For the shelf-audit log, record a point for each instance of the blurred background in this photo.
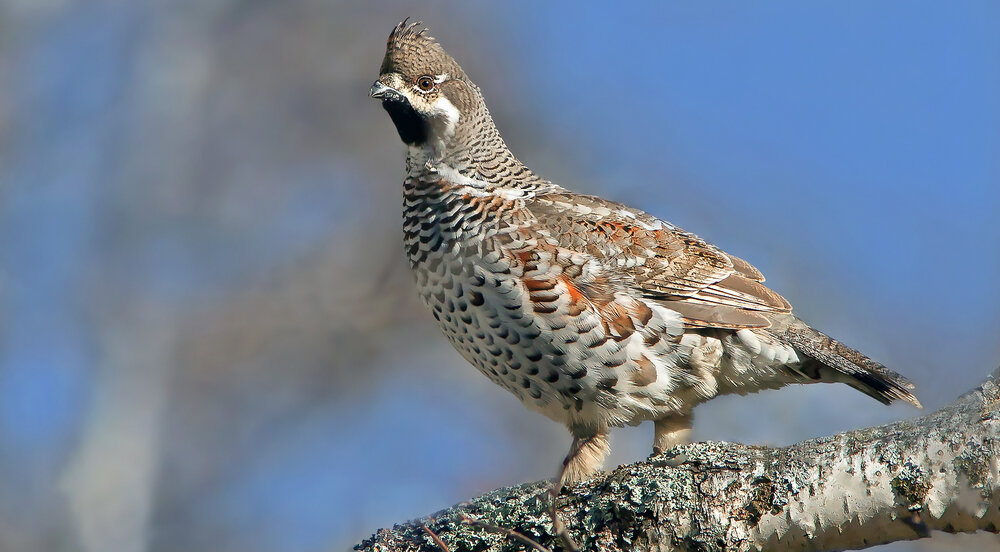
(209, 338)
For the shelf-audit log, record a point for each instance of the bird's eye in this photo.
(425, 83)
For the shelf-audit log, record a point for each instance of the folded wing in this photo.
(708, 287)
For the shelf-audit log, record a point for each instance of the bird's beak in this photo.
(380, 91)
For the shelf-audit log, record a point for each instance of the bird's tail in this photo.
(830, 360)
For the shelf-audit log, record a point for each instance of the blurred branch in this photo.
(110, 481)
(852, 490)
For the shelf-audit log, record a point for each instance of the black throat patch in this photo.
(412, 127)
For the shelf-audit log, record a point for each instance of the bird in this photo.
(591, 312)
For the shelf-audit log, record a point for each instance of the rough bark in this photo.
(848, 491)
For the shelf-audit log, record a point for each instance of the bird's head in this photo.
(426, 93)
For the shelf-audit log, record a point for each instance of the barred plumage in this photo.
(591, 312)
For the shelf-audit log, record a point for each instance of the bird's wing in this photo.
(683, 272)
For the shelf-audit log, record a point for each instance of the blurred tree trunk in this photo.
(853, 490)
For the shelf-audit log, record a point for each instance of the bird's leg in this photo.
(671, 431)
(585, 456)
(583, 459)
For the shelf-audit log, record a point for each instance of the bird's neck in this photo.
(476, 151)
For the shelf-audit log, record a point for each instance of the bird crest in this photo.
(410, 51)
(406, 31)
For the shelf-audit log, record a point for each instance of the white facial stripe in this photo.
(447, 110)
(442, 121)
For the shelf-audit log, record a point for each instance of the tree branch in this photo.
(852, 490)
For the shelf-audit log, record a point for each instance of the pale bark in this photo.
(852, 490)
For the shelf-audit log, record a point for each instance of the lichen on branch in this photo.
(851, 490)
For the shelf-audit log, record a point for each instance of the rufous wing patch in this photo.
(575, 294)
